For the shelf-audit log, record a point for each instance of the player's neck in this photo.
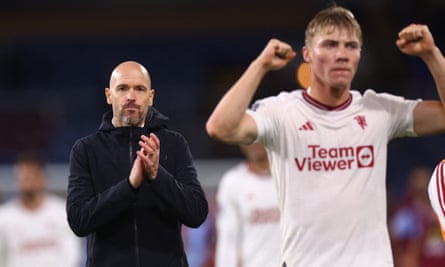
(329, 96)
(32, 201)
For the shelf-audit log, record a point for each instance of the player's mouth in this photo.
(341, 70)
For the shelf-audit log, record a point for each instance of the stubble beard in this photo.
(129, 120)
(134, 118)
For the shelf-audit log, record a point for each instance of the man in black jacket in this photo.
(132, 184)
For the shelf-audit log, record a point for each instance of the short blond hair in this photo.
(333, 17)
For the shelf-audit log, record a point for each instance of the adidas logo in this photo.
(307, 126)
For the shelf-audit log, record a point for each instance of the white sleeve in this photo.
(72, 249)
(3, 249)
(228, 225)
(71, 245)
(264, 112)
(436, 194)
(400, 111)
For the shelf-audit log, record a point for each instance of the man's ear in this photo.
(306, 54)
(107, 95)
(152, 96)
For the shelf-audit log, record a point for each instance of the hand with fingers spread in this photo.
(415, 40)
(149, 155)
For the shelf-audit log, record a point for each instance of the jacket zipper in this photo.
(135, 225)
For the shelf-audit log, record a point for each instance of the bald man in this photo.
(133, 184)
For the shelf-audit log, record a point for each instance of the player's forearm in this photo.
(225, 121)
(436, 64)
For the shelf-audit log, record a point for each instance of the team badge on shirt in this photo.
(361, 120)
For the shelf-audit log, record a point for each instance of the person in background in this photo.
(414, 229)
(248, 218)
(436, 194)
(199, 243)
(33, 227)
(327, 144)
(133, 184)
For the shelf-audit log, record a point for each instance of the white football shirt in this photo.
(329, 165)
(37, 238)
(436, 194)
(248, 230)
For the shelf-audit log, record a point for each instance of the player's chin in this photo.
(342, 80)
(341, 84)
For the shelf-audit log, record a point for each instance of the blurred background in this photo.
(56, 58)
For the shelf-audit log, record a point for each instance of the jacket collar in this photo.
(154, 120)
